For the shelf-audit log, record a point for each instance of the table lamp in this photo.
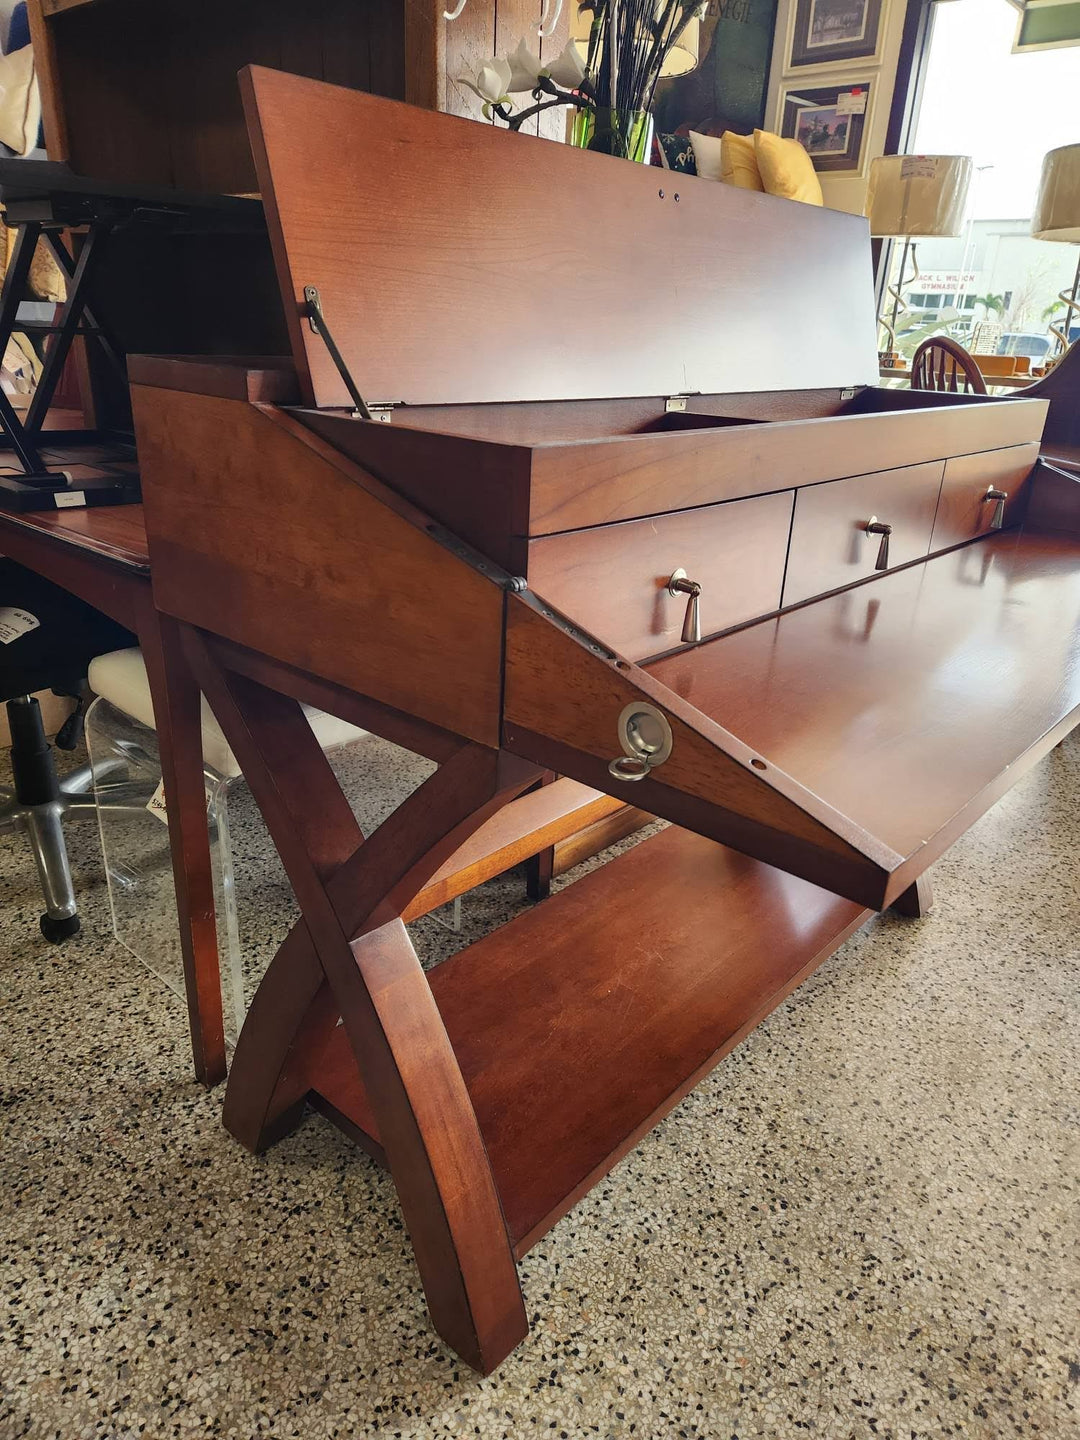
(681, 59)
(1057, 217)
(910, 197)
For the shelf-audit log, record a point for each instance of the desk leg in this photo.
(916, 900)
(179, 727)
(352, 892)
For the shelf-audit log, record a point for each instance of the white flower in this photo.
(524, 68)
(492, 81)
(568, 69)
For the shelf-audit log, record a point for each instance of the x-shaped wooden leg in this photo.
(351, 955)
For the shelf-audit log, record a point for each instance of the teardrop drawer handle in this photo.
(680, 585)
(874, 526)
(999, 497)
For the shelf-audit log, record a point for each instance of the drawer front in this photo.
(965, 510)
(830, 547)
(612, 580)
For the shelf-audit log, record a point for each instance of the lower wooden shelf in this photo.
(582, 1022)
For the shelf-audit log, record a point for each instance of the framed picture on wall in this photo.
(829, 122)
(825, 32)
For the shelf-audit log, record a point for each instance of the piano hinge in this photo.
(515, 584)
(848, 393)
(675, 402)
(317, 321)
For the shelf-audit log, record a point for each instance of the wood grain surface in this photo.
(629, 986)
(593, 483)
(400, 216)
(830, 546)
(613, 580)
(561, 710)
(963, 509)
(905, 702)
(289, 563)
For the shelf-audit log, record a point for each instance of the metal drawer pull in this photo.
(999, 497)
(874, 526)
(680, 585)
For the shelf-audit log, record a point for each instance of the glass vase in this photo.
(625, 133)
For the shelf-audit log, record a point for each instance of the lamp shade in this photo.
(680, 59)
(1057, 209)
(918, 194)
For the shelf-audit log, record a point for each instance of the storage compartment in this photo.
(831, 544)
(614, 580)
(495, 492)
(972, 494)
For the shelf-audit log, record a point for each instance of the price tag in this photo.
(156, 803)
(851, 102)
(14, 623)
(919, 167)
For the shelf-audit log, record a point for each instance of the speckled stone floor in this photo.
(865, 1223)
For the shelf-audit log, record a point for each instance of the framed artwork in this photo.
(829, 122)
(825, 32)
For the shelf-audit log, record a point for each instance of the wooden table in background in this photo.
(994, 382)
(100, 555)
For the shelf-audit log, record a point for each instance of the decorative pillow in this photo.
(738, 161)
(20, 103)
(786, 169)
(707, 154)
(675, 152)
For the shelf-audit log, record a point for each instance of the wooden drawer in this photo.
(964, 510)
(612, 579)
(829, 544)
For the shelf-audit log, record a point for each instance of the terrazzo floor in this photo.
(865, 1223)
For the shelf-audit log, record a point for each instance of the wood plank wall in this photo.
(493, 27)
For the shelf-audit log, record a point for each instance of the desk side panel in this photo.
(260, 533)
(563, 699)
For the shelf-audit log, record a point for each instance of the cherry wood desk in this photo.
(100, 555)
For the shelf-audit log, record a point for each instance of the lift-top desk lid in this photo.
(431, 239)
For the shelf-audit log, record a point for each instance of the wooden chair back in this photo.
(942, 364)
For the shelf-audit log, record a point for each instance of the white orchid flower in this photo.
(568, 68)
(524, 68)
(492, 81)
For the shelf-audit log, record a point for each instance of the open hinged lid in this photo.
(456, 262)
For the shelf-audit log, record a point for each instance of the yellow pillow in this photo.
(786, 169)
(738, 161)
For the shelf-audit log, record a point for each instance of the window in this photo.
(1006, 111)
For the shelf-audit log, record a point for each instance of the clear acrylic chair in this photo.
(126, 766)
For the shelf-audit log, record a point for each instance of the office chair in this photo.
(47, 640)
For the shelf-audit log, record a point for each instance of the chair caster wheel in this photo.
(57, 931)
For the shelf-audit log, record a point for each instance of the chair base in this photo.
(37, 807)
(42, 824)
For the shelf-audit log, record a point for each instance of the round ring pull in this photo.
(629, 767)
(645, 737)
